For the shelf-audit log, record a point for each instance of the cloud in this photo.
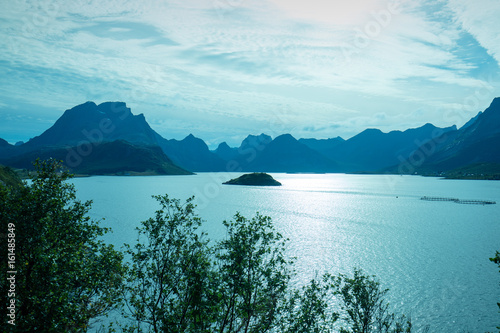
(352, 12)
(480, 19)
(208, 64)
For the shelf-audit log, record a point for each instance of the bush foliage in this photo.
(65, 276)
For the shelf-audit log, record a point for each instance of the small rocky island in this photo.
(254, 179)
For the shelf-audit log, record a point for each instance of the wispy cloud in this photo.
(480, 19)
(203, 66)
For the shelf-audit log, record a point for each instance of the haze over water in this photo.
(432, 255)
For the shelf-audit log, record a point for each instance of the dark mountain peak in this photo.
(262, 136)
(425, 128)
(225, 152)
(338, 139)
(192, 153)
(223, 145)
(82, 109)
(115, 110)
(492, 113)
(495, 104)
(285, 139)
(190, 138)
(112, 106)
(89, 122)
(428, 130)
(192, 142)
(86, 105)
(428, 125)
(286, 154)
(254, 141)
(367, 133)
(89, 110)
(371, 131)
(486, 123)
(323, 146)
(476, 142)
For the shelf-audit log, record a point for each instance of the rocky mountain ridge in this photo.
(84, 134)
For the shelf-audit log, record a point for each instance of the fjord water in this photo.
(433, 256)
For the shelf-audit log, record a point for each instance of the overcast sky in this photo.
(223, 69)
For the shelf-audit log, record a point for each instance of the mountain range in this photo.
(476, 143)
(109, 139)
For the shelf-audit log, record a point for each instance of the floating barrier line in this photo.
(466, 202)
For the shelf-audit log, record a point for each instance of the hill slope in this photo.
(479, 142)
(117, 157)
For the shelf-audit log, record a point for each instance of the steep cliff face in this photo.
(478, 142)
(93, 123)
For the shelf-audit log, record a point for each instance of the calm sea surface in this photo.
(433, 256)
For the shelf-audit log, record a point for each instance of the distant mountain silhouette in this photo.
(257, 142)
(283, 154)
(476, 143)
(250, 148)
(192, 154)
(93, 123)
(225, 152)
(373, 150)
(324, 146)
(111, 121)
(108, 138)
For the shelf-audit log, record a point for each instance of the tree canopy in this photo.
(64, 275)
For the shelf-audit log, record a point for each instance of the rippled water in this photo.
(432, 255)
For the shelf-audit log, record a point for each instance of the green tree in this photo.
(65, 276)
(254, 274)
(8, 177)
(309, 309)
(365, 306)
(177, 282)
(169, 278)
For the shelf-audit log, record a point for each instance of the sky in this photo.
(223, 69)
